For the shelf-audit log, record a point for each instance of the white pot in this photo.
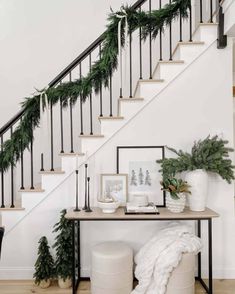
(198, 181)
(45, 284)
(176, 205)
(108, 207)
(64, 284)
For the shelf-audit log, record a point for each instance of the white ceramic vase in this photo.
(198, 181)
(176, 205)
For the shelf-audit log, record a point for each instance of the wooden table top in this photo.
(165, 214)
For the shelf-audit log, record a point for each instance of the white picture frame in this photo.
(114, 186)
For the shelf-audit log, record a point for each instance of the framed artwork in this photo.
(114, 186)
(139, 162)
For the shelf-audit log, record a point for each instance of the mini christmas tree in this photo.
(44, 266)
(63, 247)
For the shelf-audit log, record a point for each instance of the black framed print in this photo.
(139, 162)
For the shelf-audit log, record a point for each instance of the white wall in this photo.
(40, 38)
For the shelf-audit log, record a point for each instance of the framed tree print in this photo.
(139, 162)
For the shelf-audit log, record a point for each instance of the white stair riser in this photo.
(109, 126)
(128, 109)
(188, 52)
(10, 218)
(90, 145)
(167, 71)
(69, 163)
(206, 33)
(51, 180)
(150, 89)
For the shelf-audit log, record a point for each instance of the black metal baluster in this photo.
(150, 45)
(101, 96)
(61, 127)
(181, 38)
(81, 112)
(201, 21)
(190, 23)
(170, 38)
(2, 179)
(111, 95)
(71, 118)
(52, 145)
(42, 163)
(211, 11)
(31, 160)
(22, 164)
(130, 41)
(91, 122)
(12, 181)
(140, 45)
(160, 35)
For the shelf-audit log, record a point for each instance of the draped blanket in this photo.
(156, 259)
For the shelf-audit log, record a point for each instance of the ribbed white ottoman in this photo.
(182, 278)
(111, 268)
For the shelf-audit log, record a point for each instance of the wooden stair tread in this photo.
(72, 154)
(150, 81)
(131, 99)
(8, 208)
(35, 190)
(91, 136)
(170, 61)
(50, 172)
(111, 117)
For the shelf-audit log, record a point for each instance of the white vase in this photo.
(64, 284)
(176, 205)
(198, 181)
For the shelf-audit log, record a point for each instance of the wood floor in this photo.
(26, 287)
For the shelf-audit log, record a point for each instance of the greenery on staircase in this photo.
(209, 154)
(68, 92)
(63, 247)
(44, 266)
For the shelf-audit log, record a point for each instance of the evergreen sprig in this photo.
(63, 247)
(44, 266)
(99, 75)
(209, 154)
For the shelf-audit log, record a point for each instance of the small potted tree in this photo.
(64, 252)
(208, 155)
(176, 193)
(44, 266)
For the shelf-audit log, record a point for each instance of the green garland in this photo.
(100, 72)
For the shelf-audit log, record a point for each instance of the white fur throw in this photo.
(156, 259)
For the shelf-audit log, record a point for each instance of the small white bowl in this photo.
(108, 207)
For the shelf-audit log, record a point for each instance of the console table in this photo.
(165, 215)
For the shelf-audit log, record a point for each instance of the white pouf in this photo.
(182, 278)
(111, 268)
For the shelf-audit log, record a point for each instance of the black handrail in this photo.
(64, 72)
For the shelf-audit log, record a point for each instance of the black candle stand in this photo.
(85, 206)
(88, 196)
(76, 208)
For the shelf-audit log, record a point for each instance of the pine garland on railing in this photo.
(99, 74)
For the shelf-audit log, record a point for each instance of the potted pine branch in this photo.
(44, 266)
(176, 193)
(64, 252)
(208, 155)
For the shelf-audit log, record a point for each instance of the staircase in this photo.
(82, 132)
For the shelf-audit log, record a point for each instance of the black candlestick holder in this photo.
(88, 196)
(76, 208)
(85, 206)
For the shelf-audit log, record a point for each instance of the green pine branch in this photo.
(99, 75)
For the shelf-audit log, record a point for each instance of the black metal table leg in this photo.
(210, 255)
(74, 258)
(199, 257)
